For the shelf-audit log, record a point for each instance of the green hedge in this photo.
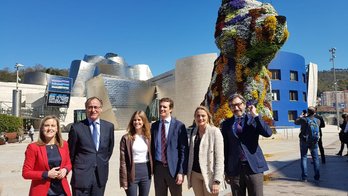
(10, 123)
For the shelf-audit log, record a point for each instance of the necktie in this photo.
(239, 128)
(163, 144)
(95, 135)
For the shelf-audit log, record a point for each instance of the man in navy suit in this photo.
(244, 160)
(169, 148)
(91, 143)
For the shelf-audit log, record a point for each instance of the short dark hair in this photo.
(92, 98)
(236, 95)
(166, 99)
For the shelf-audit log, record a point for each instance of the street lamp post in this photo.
(16, 95)
(332, 59)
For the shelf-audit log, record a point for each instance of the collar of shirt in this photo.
(167, 120)
(96, 121)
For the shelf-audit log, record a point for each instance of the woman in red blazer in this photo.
(47, 161)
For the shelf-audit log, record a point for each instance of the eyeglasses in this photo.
(93, 107)
(233, 105)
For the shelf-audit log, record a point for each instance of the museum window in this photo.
(292, 115)
(275, 74)
(293, 95)
(275, 115)
(304, 78)
(304, 96)
(275, 95)
(293, 76)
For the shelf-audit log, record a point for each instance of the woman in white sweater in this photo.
(206, 157)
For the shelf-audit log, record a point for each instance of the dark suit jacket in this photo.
(85, 158)
(248, 141)
(36, 162)
(177, 146)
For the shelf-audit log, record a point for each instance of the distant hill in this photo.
(10, 76)
(326, 80)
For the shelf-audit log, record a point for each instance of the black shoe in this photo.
(316, 178)
(339, 154)
(346, 154)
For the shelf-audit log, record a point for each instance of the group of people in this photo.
(164, 149)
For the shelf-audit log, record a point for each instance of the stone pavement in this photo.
(281, 151)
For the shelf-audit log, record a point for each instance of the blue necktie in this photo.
(95, 135)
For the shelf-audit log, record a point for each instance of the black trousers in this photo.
(321, 149)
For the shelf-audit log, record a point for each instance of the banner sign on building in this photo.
(59, 84)
(58, 99)
(59, 88)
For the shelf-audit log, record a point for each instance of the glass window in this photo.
(275, 74)
(292, 115)
(304, 96)
(293, 76)
(275, 95)
(275, 115)
(293, 95)
(304, 78)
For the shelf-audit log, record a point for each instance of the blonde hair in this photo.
(210, 117)
(58, 137)
(146, 125)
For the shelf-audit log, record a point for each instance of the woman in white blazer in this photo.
(206, 157)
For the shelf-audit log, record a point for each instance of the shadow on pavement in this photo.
(333, 174)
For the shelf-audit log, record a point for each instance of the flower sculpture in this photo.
(249, 34)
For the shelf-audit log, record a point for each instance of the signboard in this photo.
(58, 99)
(59, 84)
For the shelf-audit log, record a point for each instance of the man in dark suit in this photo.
(91, 143)
(244, 160)
(169, 148)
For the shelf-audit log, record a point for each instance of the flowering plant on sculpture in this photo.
(249, 34)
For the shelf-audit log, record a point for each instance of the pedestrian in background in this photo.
(244, 160)
(47, 161)
(205, 173)
(135, 156)
(320, 142)
(31, 133)
(343, 135)
(305, 145)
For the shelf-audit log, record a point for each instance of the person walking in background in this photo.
(135, 156)
(320, 142)
(91, 143)
(47, 161)
(169, 146)
(244, 160)
(308, 141)
(205, 173)
(343, 135)
(31, 133)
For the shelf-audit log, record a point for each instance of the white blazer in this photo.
(211, 157)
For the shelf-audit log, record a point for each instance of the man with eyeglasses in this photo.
(91, 143)
(244, 160)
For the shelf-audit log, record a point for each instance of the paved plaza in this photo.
(281, 151)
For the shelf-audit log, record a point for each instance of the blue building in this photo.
(289, 87)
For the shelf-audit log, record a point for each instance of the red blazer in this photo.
(36, 162)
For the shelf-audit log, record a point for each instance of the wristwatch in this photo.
(217, 182)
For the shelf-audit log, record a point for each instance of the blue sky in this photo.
(153, 32)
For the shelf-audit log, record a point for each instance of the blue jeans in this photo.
(142, 181)
(304, 147)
